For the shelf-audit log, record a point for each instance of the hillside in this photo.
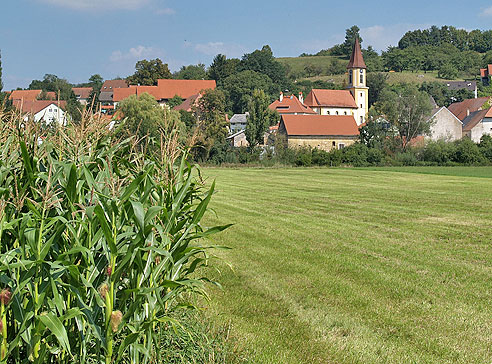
(297, 66)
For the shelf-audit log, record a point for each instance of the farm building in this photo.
(445, 125)
(324, 132)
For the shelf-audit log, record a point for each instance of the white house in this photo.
(477, 124)
(42, 110)
(445, 125)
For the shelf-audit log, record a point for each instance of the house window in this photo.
(333, 144)
(341, 145)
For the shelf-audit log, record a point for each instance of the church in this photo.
(336, 114)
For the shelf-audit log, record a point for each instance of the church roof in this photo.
(356, 59)
(290, 105)
(330, 98)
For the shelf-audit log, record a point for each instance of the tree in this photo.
(144, 117)
(376, 83)
(447, 72)
(407, 110)
(175, 101)
(148, 72)
(350, 35)
(263, 61)
(221, 68)
(95, 81)
(192, 72)
(212, 125)
(240, 86)
(259, 119)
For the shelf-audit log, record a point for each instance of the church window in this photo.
(345, 113)
(362, 76)
(361, 106)
(337, 112)
(350, 77)
(361, 119)
(361, 94)
(328, 113)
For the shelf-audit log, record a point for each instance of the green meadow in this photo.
(355, 265)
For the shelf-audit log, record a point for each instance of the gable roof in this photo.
(356, 59)
(110, 85)
(464, 108)
(30, 95)
(290, 105)
(82, 92)
(330, 98)
(187, 105)
(239, 118)
(473, 119)
(183, 88)
(35, 106)
(166, 89)
(319, 125)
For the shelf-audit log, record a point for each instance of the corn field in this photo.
(100, 241)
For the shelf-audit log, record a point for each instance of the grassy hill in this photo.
(355, 266)
(297, 65)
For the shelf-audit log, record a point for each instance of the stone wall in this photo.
(324, 143)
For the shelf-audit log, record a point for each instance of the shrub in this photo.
(375, 156)
(320, 157)
(485, 147)
(304, 157)
(407, 158)
(99, 242)
(355, 155)
(467, 152)
(438, 152)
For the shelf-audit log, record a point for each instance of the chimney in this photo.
(301, 97)
(281, 96)
(467, 112)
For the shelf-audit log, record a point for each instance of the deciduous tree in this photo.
(148, 72)
(260, 118)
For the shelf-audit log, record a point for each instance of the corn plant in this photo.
(99, 242)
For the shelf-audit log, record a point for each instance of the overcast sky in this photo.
(77, 38)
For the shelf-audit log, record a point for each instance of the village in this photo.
(324, 119)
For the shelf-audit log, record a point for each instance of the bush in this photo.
(375, 156)
(485, 147)
(355, 155)
(304, 157)
(320, 157)
(407, 158)
(467, 152)
(438, 152)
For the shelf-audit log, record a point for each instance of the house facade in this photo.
(324, 132)
(82, 94)
(477, 124)
(445, 125)
(238, 122)
(47, 111)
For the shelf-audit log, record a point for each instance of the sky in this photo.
(75, 39)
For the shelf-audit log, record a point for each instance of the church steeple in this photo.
(356, 70)
(356, 59)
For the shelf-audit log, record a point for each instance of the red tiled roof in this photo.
(356, 59)
(187, 104)
(320, 125)
(183, 88)
(24, 95)
(290, 105)
(462, 109)
(166, 89)
(483, 72)
(82, 92)
(35, 106)
(489, 69)
(330, 98)
(113, 84)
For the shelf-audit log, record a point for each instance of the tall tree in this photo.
(260, 118)
(263, 61)
(407, 110)
(148, 72)
(376, 83)
(192, 72)
(95, 81)
(350, 35)
(221, 68)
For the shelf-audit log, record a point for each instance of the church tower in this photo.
(357, 83)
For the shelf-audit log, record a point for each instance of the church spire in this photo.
(356, 59)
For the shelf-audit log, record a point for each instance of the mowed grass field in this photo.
(355, 265)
